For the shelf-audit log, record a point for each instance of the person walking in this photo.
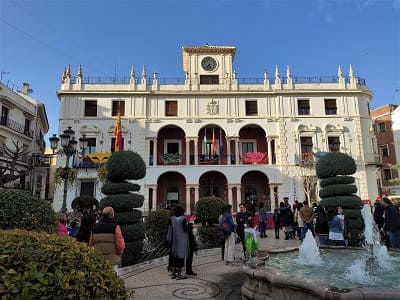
(392, 223)
(85, 229)
(321, 225)
(251, 243)
(287, 218)
(107, 238)
(262, 218)
(241, 220)
(339, 229)
(227, 226)
(178, 237)
(193, 246)
(300, 222)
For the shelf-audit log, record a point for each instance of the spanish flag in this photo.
(118, 133)
(213, 144)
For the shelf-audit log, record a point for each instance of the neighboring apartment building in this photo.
(212, 133)
(383, 118)
(23, 122)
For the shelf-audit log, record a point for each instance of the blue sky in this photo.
(39, 38)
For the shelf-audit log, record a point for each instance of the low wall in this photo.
(268, 284)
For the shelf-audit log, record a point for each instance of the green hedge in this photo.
(22, 210)
(356, 224)
(209, 237)
(133, 232)
(335, 163)
(353, 213)
(122, 202)
(132, 253)
(351, 201)
(113, 188)
(336, 180)
(208, 210)
(337, 190)
(84, 202)
(134, 216)
(124, 165)
(156, 225)
(36, 265)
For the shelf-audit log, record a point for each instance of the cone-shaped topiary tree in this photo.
(337, 189)
(123, 166)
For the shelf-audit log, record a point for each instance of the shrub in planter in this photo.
(208, 210)
(209, 237)
(19, 209)
(36, 265)
(84, 202)
(122, 166)
(156, 225)
(335, 163)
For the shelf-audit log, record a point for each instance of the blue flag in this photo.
(221, 143)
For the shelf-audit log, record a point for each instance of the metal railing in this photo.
(177, 81)
(14, 125)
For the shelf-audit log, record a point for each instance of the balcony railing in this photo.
(84, 162)
(17, 127)
(177, 81)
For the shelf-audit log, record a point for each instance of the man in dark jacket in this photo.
(107, 238)
(392, 223)
(241, 220)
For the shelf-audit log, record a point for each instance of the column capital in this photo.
(191, 185)
(151, 186)
(235, 185)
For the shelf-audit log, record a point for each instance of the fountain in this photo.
(366, 273)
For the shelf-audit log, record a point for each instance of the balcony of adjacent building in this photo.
(211, 147)
(15, 126)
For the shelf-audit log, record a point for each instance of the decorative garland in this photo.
(65, 173)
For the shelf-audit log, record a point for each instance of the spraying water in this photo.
(309, 251)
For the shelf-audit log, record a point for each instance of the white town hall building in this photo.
(213, 133)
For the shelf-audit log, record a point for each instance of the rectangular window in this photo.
(173, 148)
(303, 107)
(27, 127)
(209, 79)
(113, 145)
(171, 108)
(4, 115)
(87, 188)
(91, 146)
(381, 127)
(90, 108)
(306, 144)
(330, 107)
(387, 174)
(334, 143)
(3, 140)
(251, 108)
(118, 105)
(384, 150)
(247, 147)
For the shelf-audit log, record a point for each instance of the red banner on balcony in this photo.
(254, 158)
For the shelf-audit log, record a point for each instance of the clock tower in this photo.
(208, 64)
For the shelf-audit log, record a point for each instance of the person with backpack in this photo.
(227, 228)
(241, 220)
(392, 223)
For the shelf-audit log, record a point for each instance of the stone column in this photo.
(196, 152)
(228, 150)
(154, 188)
(196, 193)
(147, 152)
(230, 194)
(155, 159)
(187, 151)
(237, 151)
(188, 187)
(269, 150)
(238, 195)
(272, 196)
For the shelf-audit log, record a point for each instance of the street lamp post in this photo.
(68, 144)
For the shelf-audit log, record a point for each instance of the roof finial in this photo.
(339, 72)
(265, 74)
(132, 73)
(68, 73)
(277, 72)
(351, 72)
(144, 72)
(288, 72)
(80, 71)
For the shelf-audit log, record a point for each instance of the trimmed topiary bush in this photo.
(19, 209)
(84, 202)
(210, 236)
(156, 225)
(208, 210)
(338, 190)
(36, 265)
(119, 188)
(121, 166)
(336, 180)
(335, 163)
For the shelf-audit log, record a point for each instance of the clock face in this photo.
(208, 63)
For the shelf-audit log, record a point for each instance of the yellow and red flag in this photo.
(118, 133)
(213, 144)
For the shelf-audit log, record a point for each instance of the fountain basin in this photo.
(280, 279)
